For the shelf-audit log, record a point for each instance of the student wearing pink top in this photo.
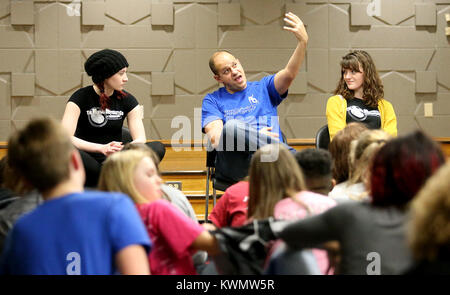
(278, 189)
(231, 209)
(175, 236)
(300, 206)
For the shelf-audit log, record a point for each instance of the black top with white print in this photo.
(101, 126)
(358, 111)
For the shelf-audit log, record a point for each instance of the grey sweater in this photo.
(367, 235)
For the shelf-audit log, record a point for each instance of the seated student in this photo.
(19, 203)
(94, 114)
(7, 196)
(277, 189)
(370, 231)
(175, 236)
(362, 151)
(340, 152)
(316, 165)
(72, 232)
(173, 195)
(429, 234)
(231, 209)
(359, 97)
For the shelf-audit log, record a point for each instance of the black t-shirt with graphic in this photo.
(101, 126)
(358, 111)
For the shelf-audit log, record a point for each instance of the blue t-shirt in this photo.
(256, 105)
(78, 233)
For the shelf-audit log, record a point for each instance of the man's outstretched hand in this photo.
(295, 25)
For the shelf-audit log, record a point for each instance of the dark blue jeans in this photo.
(238, 142)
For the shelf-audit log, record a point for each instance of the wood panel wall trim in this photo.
(292, 142)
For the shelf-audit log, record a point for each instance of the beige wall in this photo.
(43, 46)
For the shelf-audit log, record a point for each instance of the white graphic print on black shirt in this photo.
(357, 111)
(98, 117)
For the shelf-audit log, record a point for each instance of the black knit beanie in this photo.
(104, 64)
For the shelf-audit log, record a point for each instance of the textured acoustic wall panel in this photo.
(93, 13)
(162, 14)
(22, 84)
(5, 101)
(229, 14)
(425, 81)
(22, 12)
(425, 14)
(162, 83)
(168, 43)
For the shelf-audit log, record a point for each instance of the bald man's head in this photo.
(212, 60)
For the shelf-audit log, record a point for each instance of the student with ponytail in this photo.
(94, 114)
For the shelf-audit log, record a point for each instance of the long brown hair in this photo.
(272, 181)
(340, 149)
(372, 87)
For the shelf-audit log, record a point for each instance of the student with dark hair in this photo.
(7, 196)
(316, 165)
(12, 203)
(72, 232)
(376, 229)
(359, 97)
(94, 115)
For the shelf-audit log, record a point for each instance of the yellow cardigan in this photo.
(337, 111)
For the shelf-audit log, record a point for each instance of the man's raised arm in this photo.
(284, 78)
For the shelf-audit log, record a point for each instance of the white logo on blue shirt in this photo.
(252, 99)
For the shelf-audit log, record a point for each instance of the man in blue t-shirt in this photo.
(242, 116)
(72, 232)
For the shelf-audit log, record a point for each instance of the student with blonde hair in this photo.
(429, 231)
(174, 235)
(362, 151)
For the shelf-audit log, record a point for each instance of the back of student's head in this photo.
(272, 179)
(316, 165)
(362, 151)
(143, 147)
(3, 167)
(40, 152)
(117, 173)
(429, 230)
(401, 167)
(340, 149)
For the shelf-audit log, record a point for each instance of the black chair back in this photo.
(126, 135)
(323, 138)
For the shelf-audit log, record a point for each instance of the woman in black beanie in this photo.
(94, 114)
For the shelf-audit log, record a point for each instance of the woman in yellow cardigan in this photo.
(359, 97)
